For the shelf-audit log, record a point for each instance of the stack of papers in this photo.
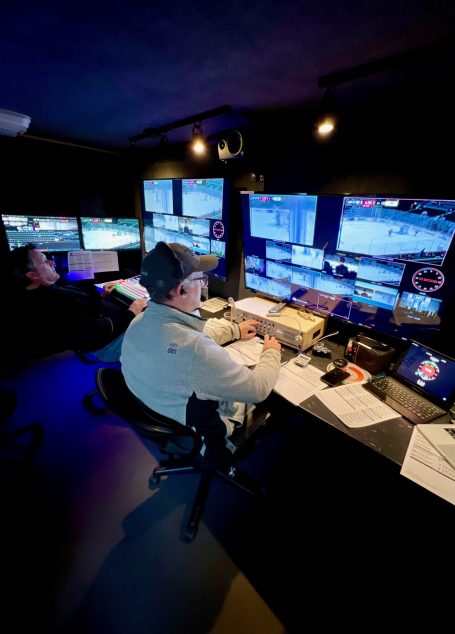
(424, 465)
(296, 384)
(356, 407)
(214, 304)
(247, 351)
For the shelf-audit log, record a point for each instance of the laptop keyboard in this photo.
(404, 401)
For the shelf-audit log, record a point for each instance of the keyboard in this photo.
(403, 400)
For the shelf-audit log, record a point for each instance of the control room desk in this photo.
(389, 438)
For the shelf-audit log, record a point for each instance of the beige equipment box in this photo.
(288, 326)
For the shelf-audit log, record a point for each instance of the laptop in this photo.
(421, 385)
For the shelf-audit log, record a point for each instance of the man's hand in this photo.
(271, 342)
(248, 328)
(108, 288)
(138, 306)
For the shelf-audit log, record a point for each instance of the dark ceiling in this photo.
(98, 72)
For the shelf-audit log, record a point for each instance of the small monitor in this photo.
(158, 196)
(50, 233)
(110, 233)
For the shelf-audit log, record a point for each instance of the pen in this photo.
(375, 378)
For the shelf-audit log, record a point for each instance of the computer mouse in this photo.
(340, 363)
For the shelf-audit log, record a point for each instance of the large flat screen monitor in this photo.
(399, 228)
(199, 218)
(51, 233)
(384, 267)
(110, 233)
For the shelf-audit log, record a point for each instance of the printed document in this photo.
(356, 407)
(214, 304)
(93, 261)
(296, 384)
(442, 437)
(425, 466)
(246, 351)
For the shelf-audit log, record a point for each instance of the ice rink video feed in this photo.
(158, 196)
(274, 288)
(417, 230)
(110, 233)
(382, 271)
(202, 198)
(287, 218)
(199, 244)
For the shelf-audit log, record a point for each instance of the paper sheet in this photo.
(214, 304)
(80, 265)
(92, 261)
(425, 466)
(356, 407)
(296, 384)
(247, 351)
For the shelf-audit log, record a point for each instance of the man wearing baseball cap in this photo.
(173, 360)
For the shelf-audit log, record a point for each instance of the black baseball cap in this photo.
(168, 264)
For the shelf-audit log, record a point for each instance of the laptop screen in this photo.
(430, 372)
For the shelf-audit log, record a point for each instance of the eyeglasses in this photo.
(204, 279)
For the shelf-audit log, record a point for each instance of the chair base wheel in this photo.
(154, 481)
(189, 534)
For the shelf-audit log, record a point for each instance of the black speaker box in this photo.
(369, 354)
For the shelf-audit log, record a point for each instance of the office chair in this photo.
(180, 444)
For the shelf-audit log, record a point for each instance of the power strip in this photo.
(288, 327)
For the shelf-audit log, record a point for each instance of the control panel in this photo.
(296, 330)
(130, 289)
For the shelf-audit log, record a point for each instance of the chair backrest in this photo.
(171, 437)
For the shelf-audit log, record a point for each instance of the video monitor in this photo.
(287, 218)
(399, 228)
(202, 197)
(110, 233)
(199, 220)
(158, 196)
(50, 233)
(396, 294)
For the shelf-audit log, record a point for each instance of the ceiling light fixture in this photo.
(326, 123)
(152, 133)
(198, 143)
(164, 141)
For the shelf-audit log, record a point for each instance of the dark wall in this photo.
(50, 178)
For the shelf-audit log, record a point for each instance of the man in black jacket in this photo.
(51, 317)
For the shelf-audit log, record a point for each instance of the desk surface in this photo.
(389, 438)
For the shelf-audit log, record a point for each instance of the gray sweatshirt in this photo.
(168, 354)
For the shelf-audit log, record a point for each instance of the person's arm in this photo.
(222, 331)
(218, 377)
(85, 332)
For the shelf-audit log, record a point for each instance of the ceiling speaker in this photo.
(230, 146)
